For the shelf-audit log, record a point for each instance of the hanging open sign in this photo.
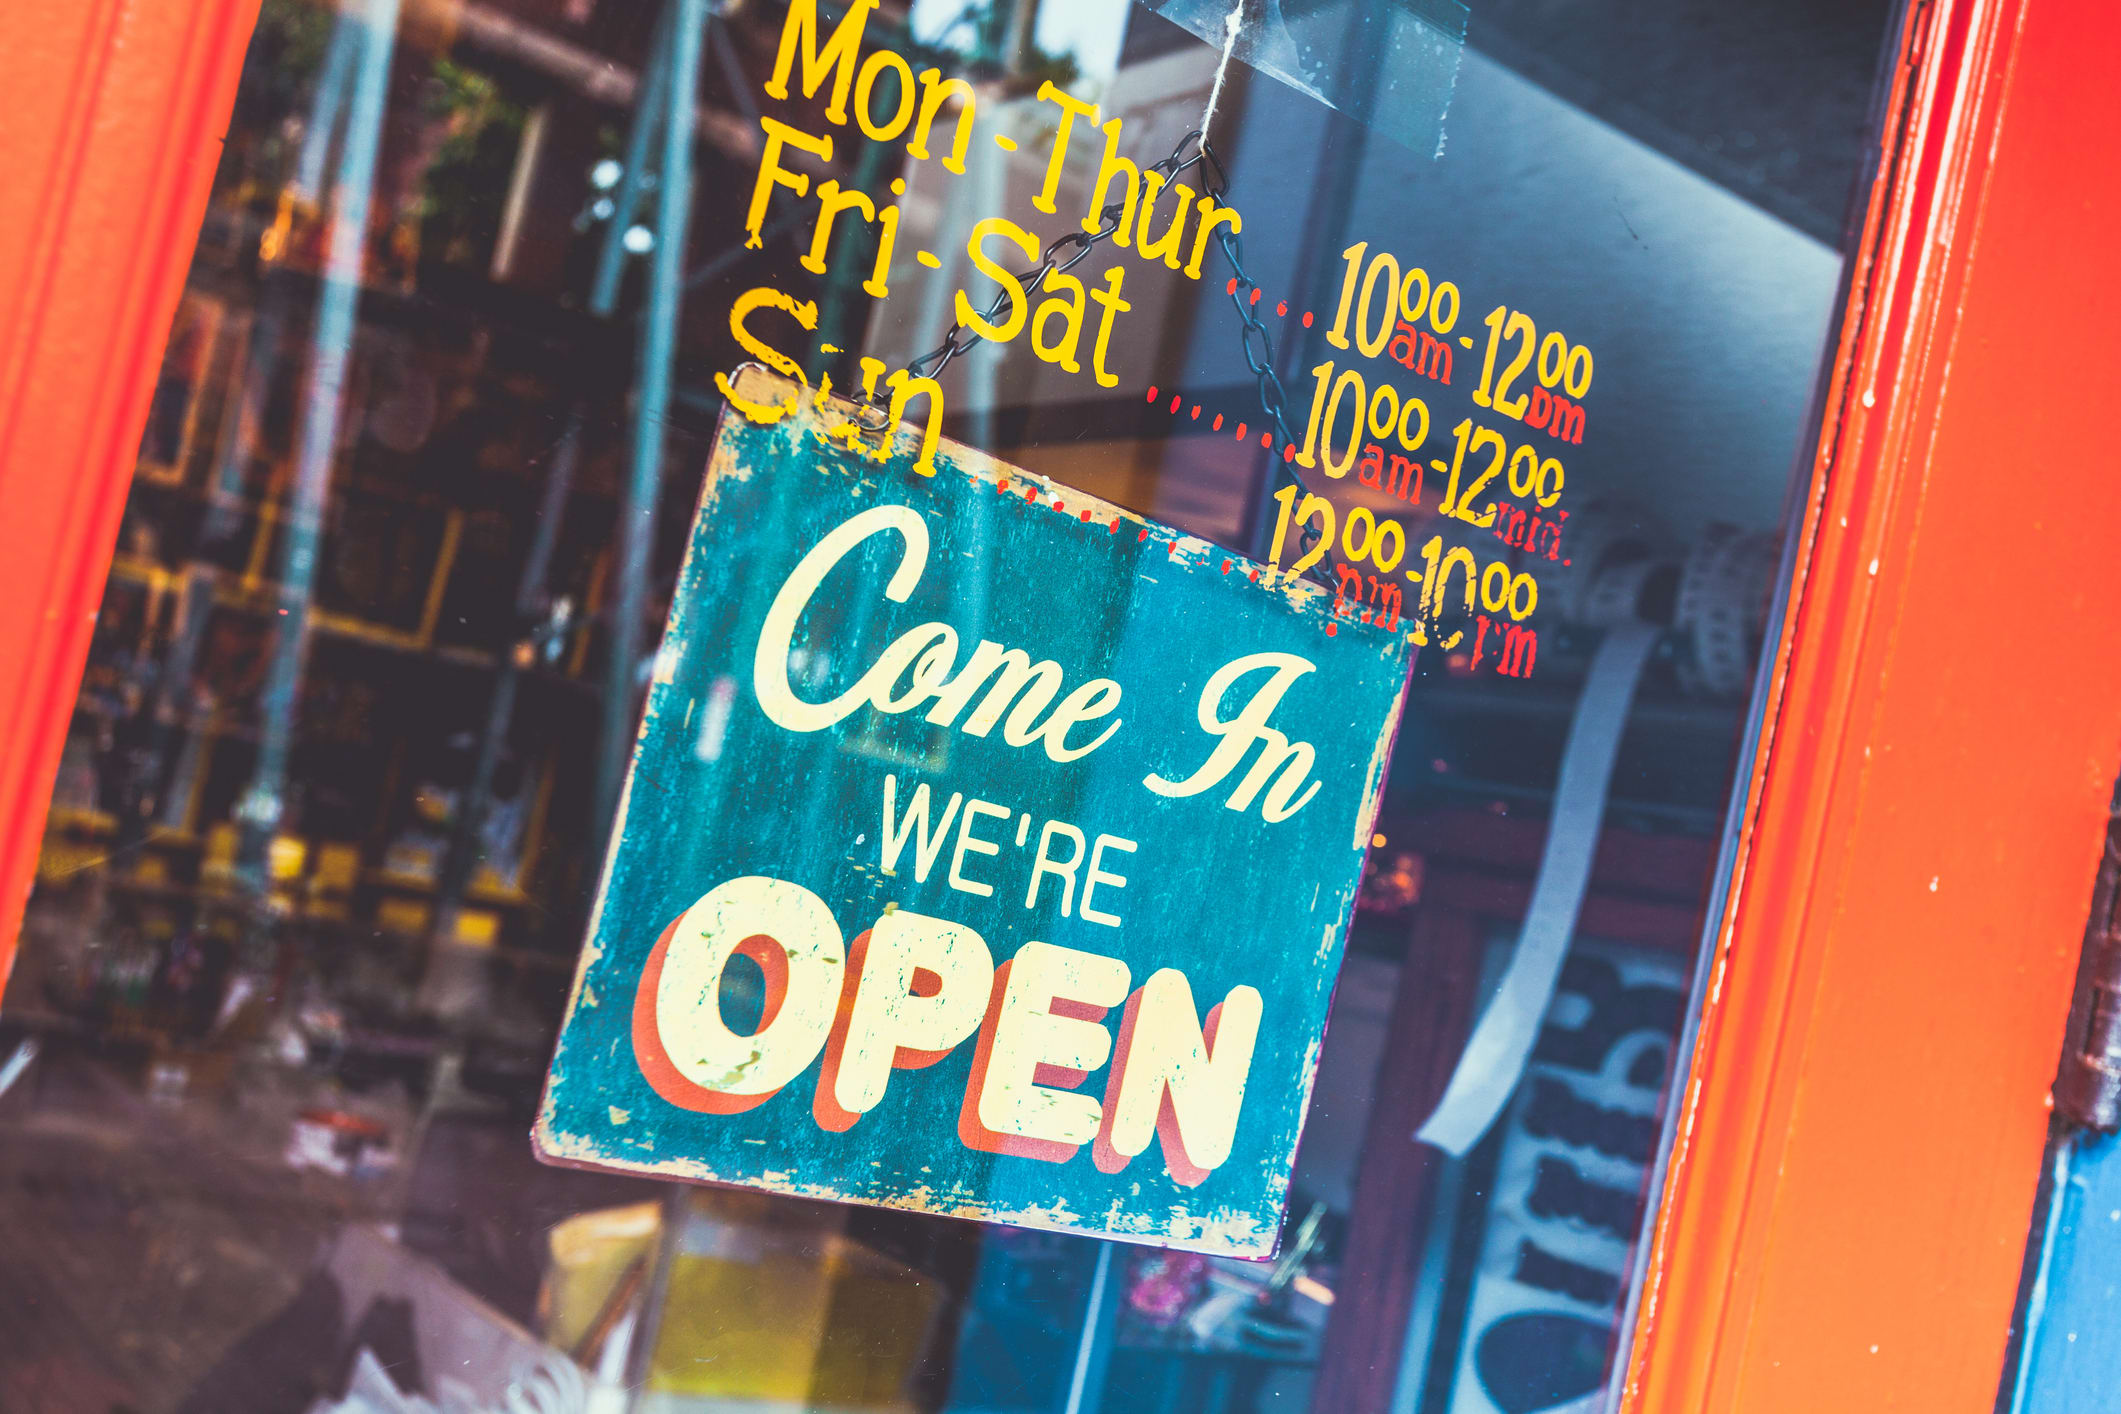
(1037, 828)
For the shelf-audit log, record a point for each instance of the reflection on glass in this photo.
(410, 502)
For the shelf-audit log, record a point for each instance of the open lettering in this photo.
(911, 990)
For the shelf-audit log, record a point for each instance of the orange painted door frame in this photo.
(1862, 1121)
(1861, 1129)
(109, 131)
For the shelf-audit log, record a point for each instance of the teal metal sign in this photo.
(988, 851)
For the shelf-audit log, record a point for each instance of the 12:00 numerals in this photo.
(1361, 422)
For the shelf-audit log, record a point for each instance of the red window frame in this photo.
(1861, 1125)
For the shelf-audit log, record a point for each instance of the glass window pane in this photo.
(1525, 311)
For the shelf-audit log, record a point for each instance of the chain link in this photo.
(1256, 343)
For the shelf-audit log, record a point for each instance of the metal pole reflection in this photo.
(659, 329)
(264, 802)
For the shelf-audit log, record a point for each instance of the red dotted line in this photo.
(1002, 487)
(1281, 307)
(1266, 439)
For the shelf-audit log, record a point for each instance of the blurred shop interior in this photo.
(407, 514)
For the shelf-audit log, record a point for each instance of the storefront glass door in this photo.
(1518, 346)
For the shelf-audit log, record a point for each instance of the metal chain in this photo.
(1273, 398)
(1256, 342)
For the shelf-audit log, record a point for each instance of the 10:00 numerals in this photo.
(1400, 423)
(1407, 299)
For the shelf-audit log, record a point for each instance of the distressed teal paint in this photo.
(718, 791)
